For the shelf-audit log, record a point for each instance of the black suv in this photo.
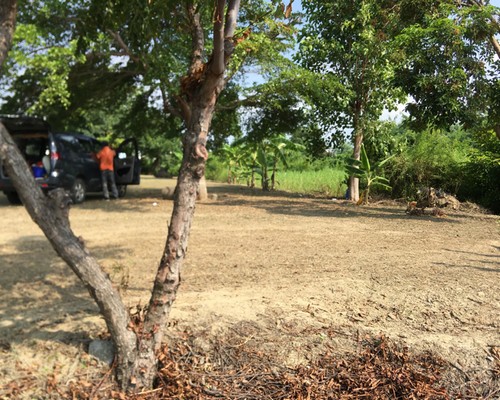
(66, 160)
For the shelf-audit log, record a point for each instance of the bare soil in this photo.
(286, 267)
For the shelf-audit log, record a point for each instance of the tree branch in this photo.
(197, 39)
(218, 63)
(231, 18)
(119, 41)
(223, 35)
(8, 10)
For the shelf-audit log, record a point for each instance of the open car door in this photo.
(128, 163)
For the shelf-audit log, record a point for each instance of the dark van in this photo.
(66, 159)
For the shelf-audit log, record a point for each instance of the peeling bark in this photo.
(136, 339)
(200, 89)
(8, 11)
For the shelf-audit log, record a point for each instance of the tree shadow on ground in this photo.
(296, 205)
(48, 293)
(479, 264)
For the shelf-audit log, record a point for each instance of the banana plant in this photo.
(363, 170)
(270, 152)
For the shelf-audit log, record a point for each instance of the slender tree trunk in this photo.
(353, 181)
(273, 176)
(51, 215)
(358, 140)
(252, 180)
(202, 189)
(198, 102)
(168, 277)
(136, 340)
(265, 180)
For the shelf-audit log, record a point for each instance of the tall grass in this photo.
(326, 181)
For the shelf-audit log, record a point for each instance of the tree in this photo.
(138, 337)
(451, 62)
(351, 40)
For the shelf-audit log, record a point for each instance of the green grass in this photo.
(327, 182)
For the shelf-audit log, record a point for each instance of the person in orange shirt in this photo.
(105, 157)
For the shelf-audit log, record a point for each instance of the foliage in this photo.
(329, 182)
(216, 169)
(449, 68)
(348, 40)
(95, 63)
(383, 139)
(481, 174)
(368, 173)
(431, 158)
(352, 40)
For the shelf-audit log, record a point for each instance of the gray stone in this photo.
(103, 350)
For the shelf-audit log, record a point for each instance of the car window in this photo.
(71, 144)
(87, 145)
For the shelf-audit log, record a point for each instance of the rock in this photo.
(103, 350)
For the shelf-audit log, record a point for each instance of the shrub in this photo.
(431, 158)
(481, 174)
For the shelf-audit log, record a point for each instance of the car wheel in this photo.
(122, 190)
(78, 191)
(13, 198)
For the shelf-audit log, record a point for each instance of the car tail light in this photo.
(54, 155)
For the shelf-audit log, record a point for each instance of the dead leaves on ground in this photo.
(235, 369)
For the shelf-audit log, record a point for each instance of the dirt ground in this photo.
(287, 266)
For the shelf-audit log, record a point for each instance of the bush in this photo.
(215, 169)
(481, 174)
(431, 158)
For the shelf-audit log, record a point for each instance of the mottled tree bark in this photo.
(136, 342)
(8, 10)
(200, 89)
(50, 213)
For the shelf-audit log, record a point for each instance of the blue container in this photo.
(38, 172)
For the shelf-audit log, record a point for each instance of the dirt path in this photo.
(287, 266)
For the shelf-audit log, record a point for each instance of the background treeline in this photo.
(306, 94)
(457, 161)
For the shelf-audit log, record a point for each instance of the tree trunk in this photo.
(136, 340)
(252, 179)
(358, 140)
(273, 175)
(202, 189)
(200, 94)
(51, 215)
(8, 10)
(353, 181)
